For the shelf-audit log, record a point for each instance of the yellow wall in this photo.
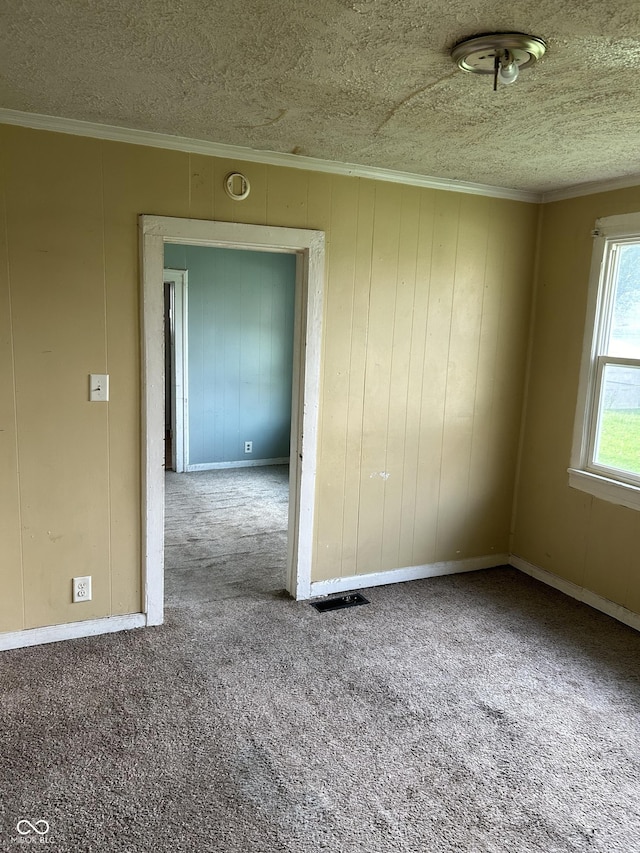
(425, 330)
(587, 541)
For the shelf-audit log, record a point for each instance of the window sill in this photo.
(613, 491)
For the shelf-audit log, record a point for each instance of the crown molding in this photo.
(132, 136)
(591, 188)
(272, 158)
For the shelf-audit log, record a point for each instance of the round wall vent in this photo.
(236, 186)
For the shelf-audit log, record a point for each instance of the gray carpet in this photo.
(480, 712)
(226, 533)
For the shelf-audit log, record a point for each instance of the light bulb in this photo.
(508, 70)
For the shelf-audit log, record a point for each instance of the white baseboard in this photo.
(617, 611)
(70, 631)
(253, 463)
(410, 573)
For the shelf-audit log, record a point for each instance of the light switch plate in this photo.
(98, 387)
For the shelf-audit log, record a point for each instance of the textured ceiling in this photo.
(368, 82)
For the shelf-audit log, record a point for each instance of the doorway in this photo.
(308, 248)
(236, 355)
(226, 513)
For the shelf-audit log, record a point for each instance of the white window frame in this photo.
(608, 484)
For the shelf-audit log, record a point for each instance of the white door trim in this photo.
(308, 246)
(180, 379)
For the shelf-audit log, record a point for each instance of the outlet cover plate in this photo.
(82, 589)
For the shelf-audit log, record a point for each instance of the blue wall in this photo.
(240, 351)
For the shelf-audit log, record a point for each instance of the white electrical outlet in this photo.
(82, 589)
(248, 447)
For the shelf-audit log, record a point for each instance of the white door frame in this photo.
(308, 246)
(180, 378)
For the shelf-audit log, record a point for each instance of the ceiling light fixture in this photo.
(501, 54)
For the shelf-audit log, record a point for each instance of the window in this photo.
(606, 449)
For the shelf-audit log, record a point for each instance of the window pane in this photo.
(618, 439)
(624, 334)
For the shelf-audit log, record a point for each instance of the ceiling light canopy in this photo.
(501, 54)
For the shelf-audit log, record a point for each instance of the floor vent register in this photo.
(352, 599)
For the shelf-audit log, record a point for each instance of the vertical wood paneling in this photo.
(136, 180)
(11, 593)
(143, 180)
(611, 543)
(358, 336)
(373, 474)
(319, 191)
(200, 187)
(418, 326)
(632, 595)
(511, 351)
(434, 375)
(123, 366)
(400, 408)
(486, 525)
(461, 379)
(339, 298)
(287, 197)
(58, 305)
(560, 311)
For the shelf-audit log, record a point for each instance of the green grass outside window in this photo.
(620, 440)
